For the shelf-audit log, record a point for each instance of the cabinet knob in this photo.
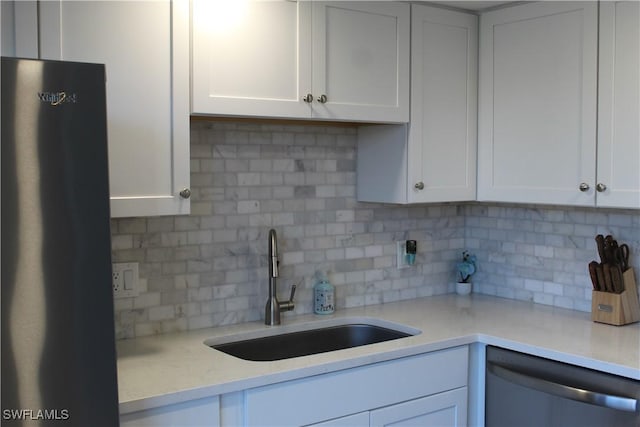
(584, 187)
(600, 187)
(185, 193)
(419, 185)
(322, 99)
(307, 98)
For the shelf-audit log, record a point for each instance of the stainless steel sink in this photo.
(310, 341)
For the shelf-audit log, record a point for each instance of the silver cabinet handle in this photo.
(620, 403)
(584, 187)
(419, 185)
(322, 99)
(307, 98)
(185, 193)
(600, 187)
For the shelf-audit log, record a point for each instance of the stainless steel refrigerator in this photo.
(58, 340)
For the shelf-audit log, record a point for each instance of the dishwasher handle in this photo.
(620, 403)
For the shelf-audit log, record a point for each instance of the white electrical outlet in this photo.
(125, 279)
(401, 252)
(116, 281)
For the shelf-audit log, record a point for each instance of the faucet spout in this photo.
(274, 307)
(273, 254)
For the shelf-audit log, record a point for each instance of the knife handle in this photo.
(600, 245)
(607, 278)
(600, 275)
(593, 265)
(616, 279)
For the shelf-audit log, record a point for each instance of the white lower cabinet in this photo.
(361, 419)
(443, 409)
(430, 389)
(194, 413)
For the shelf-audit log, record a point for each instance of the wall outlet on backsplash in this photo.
(405, 253)
(125, 279)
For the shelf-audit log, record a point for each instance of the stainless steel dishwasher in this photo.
(524, 390)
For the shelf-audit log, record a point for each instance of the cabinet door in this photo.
(442, 134)
(361, 61)
(537, 103)
(315, 399)
(619, 105)
(19, 28)
(443, 409)
(361, 419)
(145, 46)
(251, 58)
(200, 412)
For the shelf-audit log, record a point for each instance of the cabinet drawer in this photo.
(443, 409)
(322, 397)
(198, 412)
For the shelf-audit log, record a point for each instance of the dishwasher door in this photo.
(528, 391)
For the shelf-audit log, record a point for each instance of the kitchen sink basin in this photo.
(310, 341)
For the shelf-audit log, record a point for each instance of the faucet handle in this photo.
(293, 292)
(288, 305)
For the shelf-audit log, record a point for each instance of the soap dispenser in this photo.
(323, 295)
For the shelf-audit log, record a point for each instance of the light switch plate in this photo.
(125, 279)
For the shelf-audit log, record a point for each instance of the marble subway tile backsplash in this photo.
(210, 268)
(540, 254)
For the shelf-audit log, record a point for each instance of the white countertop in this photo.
(172, 368)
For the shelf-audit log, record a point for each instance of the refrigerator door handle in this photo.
(620, 403)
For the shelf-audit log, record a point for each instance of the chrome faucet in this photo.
(274, 307)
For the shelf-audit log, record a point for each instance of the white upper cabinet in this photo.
(19, 28)
(251, 58)
(537, 103)
(433, 159)
(335, 61)
(619, 105)
(443, 130)
(145, 47)
(361, 61)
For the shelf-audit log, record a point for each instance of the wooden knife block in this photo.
(617, 309)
